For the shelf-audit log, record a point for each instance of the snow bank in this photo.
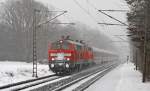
(11, 72)
(123, 78)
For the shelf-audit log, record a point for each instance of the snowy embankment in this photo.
(123, 78)
(11, 72)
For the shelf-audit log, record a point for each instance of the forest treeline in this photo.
(139, 33)
(16, 30)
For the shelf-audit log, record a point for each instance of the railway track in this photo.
(83, 86)
(28, 83)
(93, 79)
(73, 79)
(57, 83)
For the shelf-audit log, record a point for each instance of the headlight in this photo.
(67, 65)
(53, 59)
(52, 65)
(68, 59)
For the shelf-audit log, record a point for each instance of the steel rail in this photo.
(63, 83)
(86, 84)
(33, 84)
(24, 82)
(56, 85)
(82, 78)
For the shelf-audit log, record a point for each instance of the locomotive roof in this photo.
(74, 42)
(70, 41)
(103, 51)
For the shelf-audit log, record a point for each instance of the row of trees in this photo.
(16, 30)
(139, 24)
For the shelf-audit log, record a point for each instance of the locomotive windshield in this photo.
(58, 45)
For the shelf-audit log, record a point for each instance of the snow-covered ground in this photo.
(123, 78)
(11, 72)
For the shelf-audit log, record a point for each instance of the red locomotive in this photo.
(66, 56)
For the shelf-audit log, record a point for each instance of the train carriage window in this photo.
(65, 45)
(58, 45)
(78, 47)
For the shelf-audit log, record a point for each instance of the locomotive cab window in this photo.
(55, 46)
(58, 45)
(65, 45)
(78, 47)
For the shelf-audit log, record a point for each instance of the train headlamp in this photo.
(61, 41)
(67, 65)
(53, 59)
(52, 65)
(68, 59)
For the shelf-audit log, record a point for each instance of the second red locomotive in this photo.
(66, 56)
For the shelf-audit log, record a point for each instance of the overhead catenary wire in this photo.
(86, 11)
(113, 18)
(51, 19)
(111, 24)
(101, 11)
(103, 25)
(76, 2)
(66, 16)
(120, 22)
(110, 10)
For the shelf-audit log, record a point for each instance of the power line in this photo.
(112, 17)
(96, 11)
(77, 3)
(111, 24)
(110, 10)
(101, 11)
(66, 17)
(120, 35)
(121, 41)
(52, 18)
(62, 23)
(86, 11)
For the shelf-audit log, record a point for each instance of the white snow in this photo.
(11, 72)
(43, 84)
(71, 88)
(123, 78)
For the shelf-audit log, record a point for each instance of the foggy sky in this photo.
(76, 13)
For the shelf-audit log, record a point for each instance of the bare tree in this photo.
(18, 15)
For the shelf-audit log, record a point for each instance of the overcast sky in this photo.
(87, 13)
